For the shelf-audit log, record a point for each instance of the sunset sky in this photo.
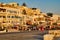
(44, 5)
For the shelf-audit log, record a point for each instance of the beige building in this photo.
(12, 14)
(9, 15)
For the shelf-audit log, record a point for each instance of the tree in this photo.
(50, 14)
(18, 4)
(24, 4)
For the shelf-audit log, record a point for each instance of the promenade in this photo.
(32, 35)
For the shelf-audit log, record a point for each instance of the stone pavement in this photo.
(32, 35)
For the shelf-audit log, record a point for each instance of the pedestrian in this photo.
(41, 28)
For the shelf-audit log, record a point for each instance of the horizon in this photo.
(52, 6)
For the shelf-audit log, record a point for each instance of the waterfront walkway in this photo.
(32, 35)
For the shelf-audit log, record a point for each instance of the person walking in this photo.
(41, 28)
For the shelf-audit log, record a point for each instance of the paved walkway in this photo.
(33, 35)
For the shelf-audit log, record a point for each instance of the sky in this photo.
(52, 6)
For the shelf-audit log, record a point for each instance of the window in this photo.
(3, 22)
(9, 21)
(35, 14)
(28, 22)
(17, 17)
(8, 16)
(3, 10)
(24, 12)
(0, 16)
(12, 16)
(4, 16)
(12, 21)
(58, 18)
(14, 12)
(11, 11)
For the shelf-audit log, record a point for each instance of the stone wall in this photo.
(53, 35)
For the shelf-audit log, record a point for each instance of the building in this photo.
(13, 14)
